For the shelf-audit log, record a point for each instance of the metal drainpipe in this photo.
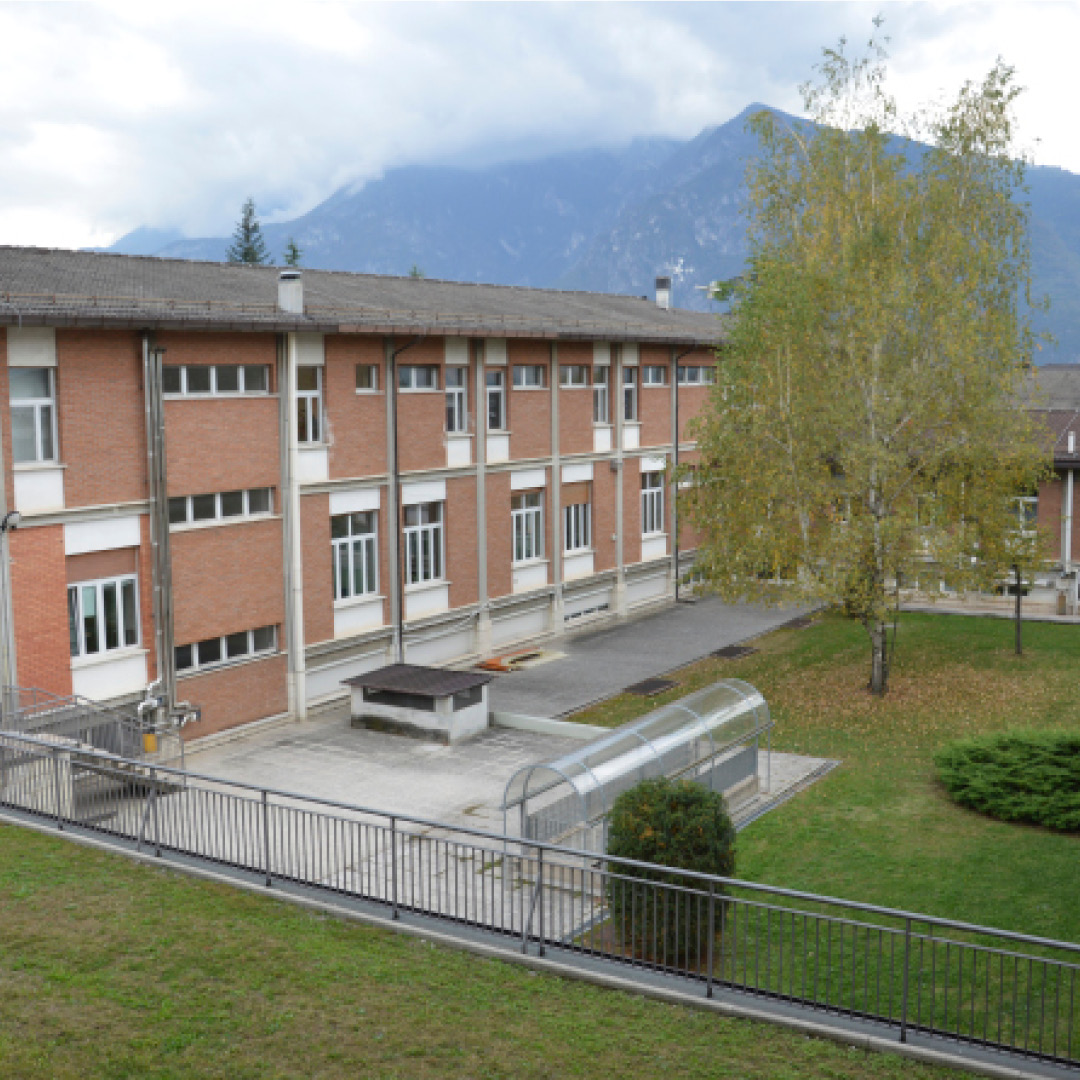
(294, 556)
(157, 482)
(675, 460)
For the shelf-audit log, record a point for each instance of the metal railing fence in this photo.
(913, 973)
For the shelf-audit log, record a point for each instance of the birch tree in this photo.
(864, 432)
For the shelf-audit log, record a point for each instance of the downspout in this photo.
(161, 558)
(290, 508)
(675, 462)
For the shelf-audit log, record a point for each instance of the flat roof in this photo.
(47, 287)
(425, 681)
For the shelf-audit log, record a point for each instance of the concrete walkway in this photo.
(598, 664)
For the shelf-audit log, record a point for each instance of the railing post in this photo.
(393, 868)
(266, 835)
(540, 897)
(907, 970)
(154, 812)
(712, 935)
(56, 787)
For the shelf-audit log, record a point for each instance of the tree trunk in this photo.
(1019, 618)
(879, 664)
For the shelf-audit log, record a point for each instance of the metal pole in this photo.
(154, 812)
(712, 933)
(907, 969)
(540, 896)
(266, 835)
(393, 866)
(56, 787)
(1019, 623)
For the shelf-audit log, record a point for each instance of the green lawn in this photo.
(110, 969)
(881, 828)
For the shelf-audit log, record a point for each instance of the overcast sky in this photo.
(115, 115)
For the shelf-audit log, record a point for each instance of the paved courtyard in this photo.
(602, 662)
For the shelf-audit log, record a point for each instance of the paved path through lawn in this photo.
(599, 664)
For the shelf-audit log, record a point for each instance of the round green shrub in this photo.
(675, 824)
(1031, 777)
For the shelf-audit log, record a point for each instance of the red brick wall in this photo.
(654, 402)
(529, 409)
(461, 546)
(101, 416)
(689, 537)
(227, 578)
(39, 598)
(422, 414)
(604, 481)
(631, 511)
(575, 404)
(356, 423)
(499, 535)
(693, 399)
(318, 568)
(235, 695)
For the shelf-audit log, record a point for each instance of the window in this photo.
(601, 412)
(696, 375)
(630, 383)
(220, 379)
(367, 377)
(496, 400)
(418, 377)
(33, 414)
(220, 506)
(423, 542)
(352, 538)
(103, 615)
(308, 404)
(220, 650)
(573, 375)
(527, 513)
(1027, 511)
(528, 375)
(577, 531)
(652, 503)
(654, 375)
(457, 415)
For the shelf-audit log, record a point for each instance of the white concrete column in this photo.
(294, 560)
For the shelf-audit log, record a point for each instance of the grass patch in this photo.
(115, 970)
(1031, 777)
(882, 828)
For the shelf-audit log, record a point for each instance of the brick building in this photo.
(245, 485)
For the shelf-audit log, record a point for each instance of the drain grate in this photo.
(734, 652)
(648, 687)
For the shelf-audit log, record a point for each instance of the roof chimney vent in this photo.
(290, 296)
(663, 292)
(1072, 442)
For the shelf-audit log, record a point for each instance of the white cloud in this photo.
(121, 114)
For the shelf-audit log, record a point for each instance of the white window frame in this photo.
(696, 375)
(652, 503)
(529, 376)
(241, 381)
(1027, 514)
(654, 375)
(77, 590)
(373, 370)
(314, 402)
(410, 380)
(527, 519)
(457, 400)
(495, 390)
(577, 527)
(425, 551)
(572, 376)
(246, 514)
(630, 394)
(601, 395)
(358, 549)
(43, 410)
(251, 651)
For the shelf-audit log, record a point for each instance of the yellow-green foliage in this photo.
(865, 426)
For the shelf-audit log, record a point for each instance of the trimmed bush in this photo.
(675, 824)
(1031, 777)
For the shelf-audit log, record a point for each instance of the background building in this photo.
(245, 485)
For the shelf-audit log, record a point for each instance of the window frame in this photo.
(577, 528)
(457, 400)
(364, 543)
(523, 373)
(496, 391)
(42, 430)
(631, 410)
(312, 434)
(705, 375)
(224, 658)
(526, 527)
(424, 543)
(567, 373)
(652, 504)
(649, 371)
(247, 514)
(601, 388)
(77, 615)
(242, 381)
(373, 370)
(410, 385)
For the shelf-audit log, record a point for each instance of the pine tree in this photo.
(293, 252)
(248, 245)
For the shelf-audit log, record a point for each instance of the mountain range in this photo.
(602, 219)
